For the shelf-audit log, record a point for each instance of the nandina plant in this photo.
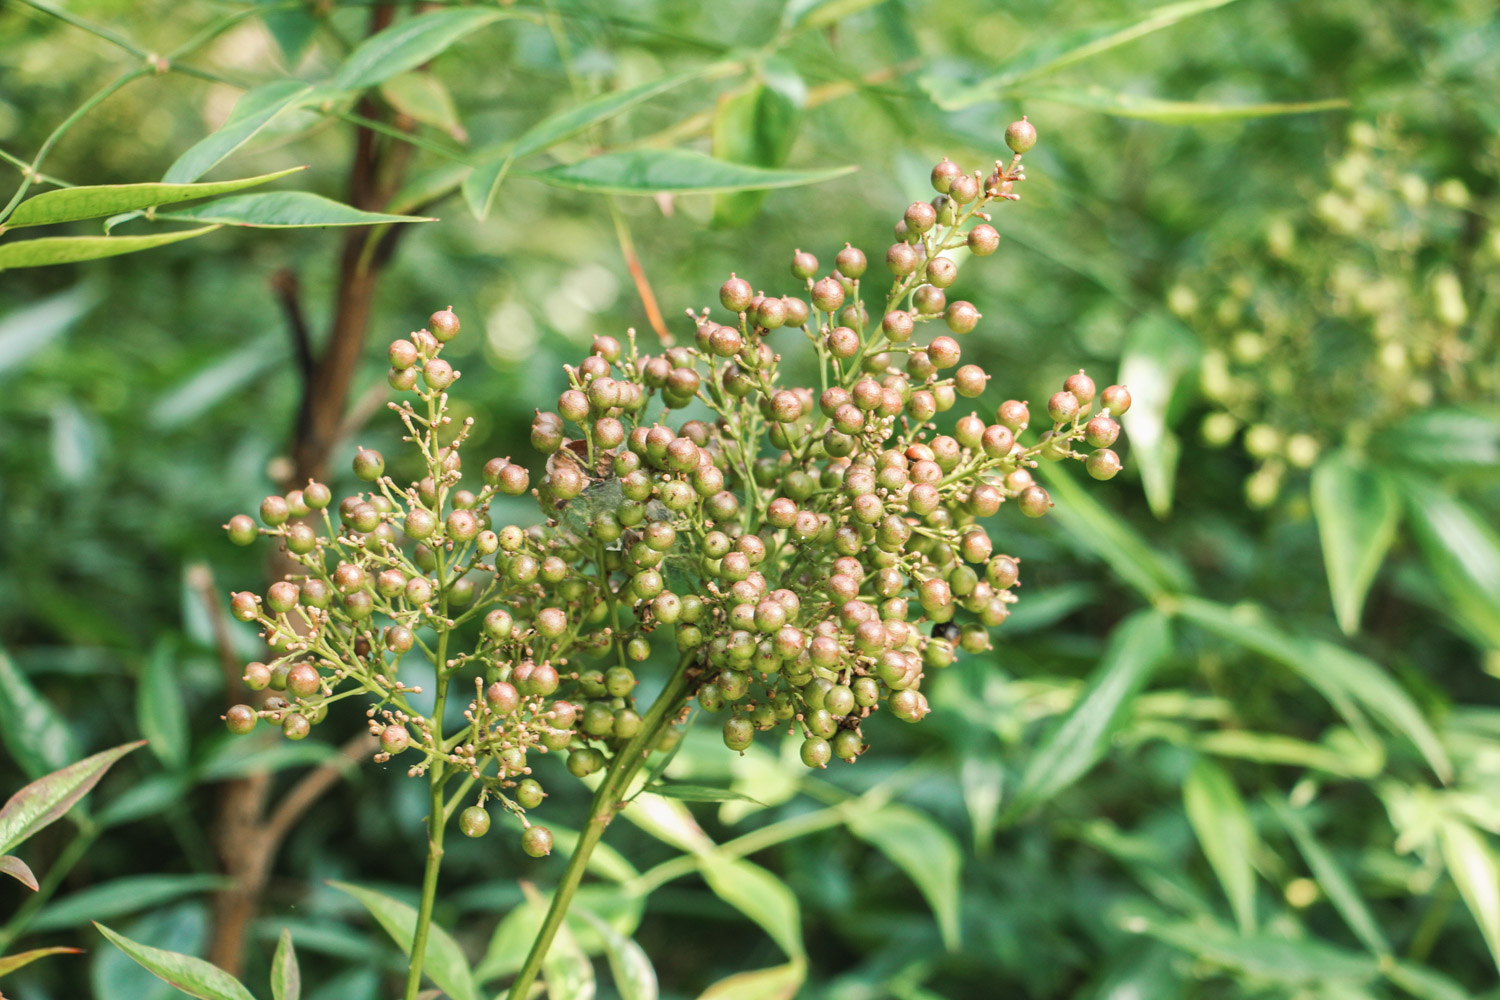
(811, 553)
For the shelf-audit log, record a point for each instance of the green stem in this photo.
(59, 870)
(606, 803)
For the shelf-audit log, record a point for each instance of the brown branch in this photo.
(288, 293)
(311, 787)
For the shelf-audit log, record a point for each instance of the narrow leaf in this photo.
(567, 970)
(10, 963)
(1336, 884)
(698, 793)
(1218, 816)
(1273, 748)
(1131, 557)
(1137, 647)
(1155, 109)
(423, 97)
(72, 204)
(50, 250)
(1159, 353)
(123, 896)
(255, 109)
(1462, 551)
(293, 28)
(159, 709)
(756, 127)
(1446, 438)
(34, 733)
(192, 976)
(1357, 511)
(410, 43)
(444, 963)
(1262, 956)
(1476, 871)
(28, 329)
(926, 852)
(759, 895)
(674, 171)
(46, 800)
(285, 210)
(511, 942)
(18, 870)
(822, 13)
(779, 983)
(286, 977)
(1425, 983)
(629, 965)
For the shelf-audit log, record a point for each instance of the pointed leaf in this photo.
(567, 970)
(779, 983)
(49, 250)
(286, 977)
(756, 127)
(292, 27)
(634, 976)
(698, 793)
(1273, 748)
(1476, 871)
(123, 896)
(18, 870)
(1335, 883)
(1132, 558)
(511, 942)
(160, 712)
(444, 963)
(1357, 511)
(822, 13)
(926, 852)
(674, 171)
(72, 204)
(46, 800)
(192, 976)
(255, 109)
(1137, 647)
(1446, 438)
(759, 895)
(423, 97)
(285, 210)
(1158, 355)
(410, 43)
(1155, 109)
(28, 329)
(1425, 983)
(10, 963)
(1462, 551)
(1262, 956)
(1218, 816)
(34, 733)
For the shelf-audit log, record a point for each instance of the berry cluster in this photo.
(808, 552)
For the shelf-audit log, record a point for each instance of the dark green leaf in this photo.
(1078, 741)
(192, 976)
(778, 983)
(286, 977)
(36, 736)
(285, 210)
(410, 43)
(1155, 109)
(698, 793)
(1476, 871)
(10, 963)
(159, 709)
(292, 27)
(759, 895)
(255, 109)
(1357, 511)
(756, 127)
(926, 852)
(674, 171)
(122, 896)
(444, 964)
(1462, 552)
(49, 250)
(1336, 884)
(75, 203)
(1159, 355)
(1219, 819)
(18, 870)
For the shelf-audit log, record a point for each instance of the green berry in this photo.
(1020, 136)
(537, 841)
(474, 821)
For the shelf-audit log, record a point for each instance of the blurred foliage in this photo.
(1174, 777)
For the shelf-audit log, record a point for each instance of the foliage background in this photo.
(147, 398)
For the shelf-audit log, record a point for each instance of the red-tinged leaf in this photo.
(45, 800)
(10, 963)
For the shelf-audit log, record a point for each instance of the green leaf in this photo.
(285, 210)
(293, 28)
(49, 250)
(75, 203)
(237, 757)
(410, 43)
(1273, 748)
(1357, 511)
(444, 963)
(160, 712)
(10, 963)
(1158, 355)
(18, 870)
(759, 895)
(1155, 109)
(1462, 552)
(800, 14)
(1060, 49)
(511, 941)
(778, 983)
(122, 896)
(926, 852)
(44, 801)
(424, 98)
(1476, 871)
(1446, 438)
(567, 970)
(1277, 959)
(698, 793)
(255, 109)
(480, 187)
(1078, 741)
(1346, 679)
(1131, 557)
(1336, 884)
(1218, 816)
(634, 976)
(34, 733)
(674, 171)
(192, 976)
(756, 127)
(1425, 983)
(286, 976)
(27, 330)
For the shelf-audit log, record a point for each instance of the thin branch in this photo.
(314, 784)
(201, 578)
(638, 275)
(289, 294)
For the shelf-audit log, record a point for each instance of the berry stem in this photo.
(607, 801)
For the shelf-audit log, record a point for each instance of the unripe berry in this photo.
(1020, 136)
(843, 343)
(369, 464)
(1062, 407)
(851, 262)
(274, 511)
(1034, 501)
(1101, 432)
(529, 793)
(537, 841)
(244, 606)
(929, 300)
(962, 317)
(1116, 399)
(739, 733)
(242, 529)
(296, 727)
(970, 380)
(1082, 387)
(816, 752)
(438, 374)
(984, 240)
(909, 705)
(902, 258)
(736, 294)
(964, 189)
(847, 744)
(1103, 464)
(828, 295)
(302, 680)
(502, 697)
(240, 719)
(771, 313)
(944, 174)
(474, 821)
(920, 216)
(804, 265)
(443, 324)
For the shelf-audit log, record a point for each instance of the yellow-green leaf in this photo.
(1155, 109)
(674, 171)
(255, 110)
(1476, 871)
(926, 852)
(69, 249)
(1218, 816)
(425, 98)
(778, 983)
(47, 799)
(10, 963)
(285, 210)
(1357, 511)
(286, 975)
(410, 43)
(192, 976)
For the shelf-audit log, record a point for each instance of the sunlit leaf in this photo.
(285, 210)
(759, 895)
(1357, 511)
(1273, 748)
(697, 793)
(255, 109)
(1155, 109)
(629, 965)
(74, 203)
(18, 870)
(674, 171)
(444, 962)
(1331, 877)
(34, 733)
(1447, 438)
(10, 963)
(1462, 551)
(410, 43)
(45, 800)
(1277, 959)
(778, 983)
(192, 976)
(1131, 557)
(49, 250)
(1159, 354)
(822, 13)
(567, 970)
(123, 896)
(1217, 814)
(424, 98)
(925, 851)
(1476, 871)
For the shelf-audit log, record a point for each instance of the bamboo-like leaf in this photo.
(444, 964)
(778, 983)
(756, 127)
(285, 210)
(1155, 109)
(1218, 816)
(1462, 551)
(160, 712)
(1078, 741)
(1281, 960)
(1273, 748)
(425, 98)
(49, 250)
(698, 793)
(1131, 557)
(18, 870)
(410, 43)
(1476, 871)
(10, 963)
(1336, 884)
(255, 109)
(1357, 511)
(1446, 438)
(123, 896)
(75, 203)
(1159, 355)
(805, 14)
(759, 895)
(45, 800)
(674, 171)
(634, 975)
(567, 970)
(286, 976)
(192, 976)
(926, 852)
(34, 733)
